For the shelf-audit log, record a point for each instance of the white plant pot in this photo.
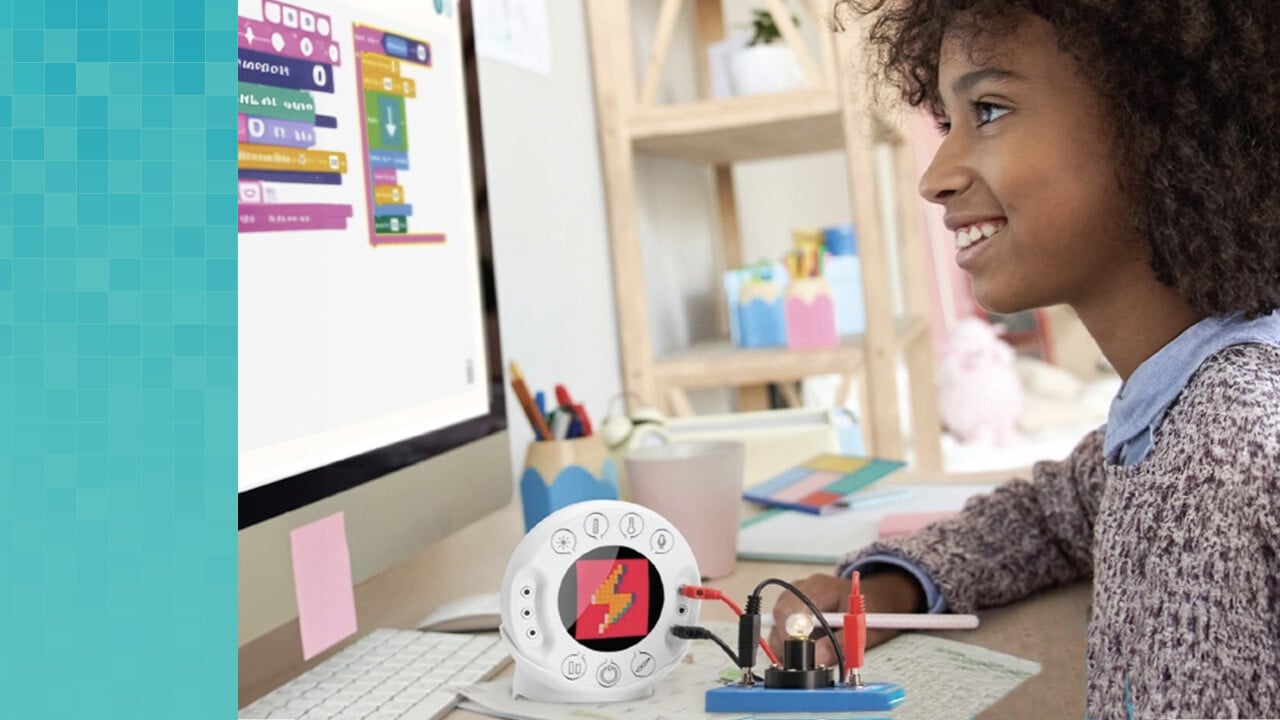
(768, 68)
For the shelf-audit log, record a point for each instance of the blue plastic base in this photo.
(759, 699)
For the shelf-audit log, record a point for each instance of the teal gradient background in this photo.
(117, 359)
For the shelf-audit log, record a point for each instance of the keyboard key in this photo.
(432, 706)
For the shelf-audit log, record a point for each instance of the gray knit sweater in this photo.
(1183, 549)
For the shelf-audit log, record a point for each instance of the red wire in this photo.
(699, 592)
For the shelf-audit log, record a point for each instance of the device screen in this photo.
(610, 598)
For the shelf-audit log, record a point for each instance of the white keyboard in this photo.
(387, 674)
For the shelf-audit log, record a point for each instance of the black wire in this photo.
(813, 608)
(695, 632)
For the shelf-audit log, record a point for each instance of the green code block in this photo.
(391, 225)
(384, 121)
(279, 103)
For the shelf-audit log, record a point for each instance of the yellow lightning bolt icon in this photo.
(607, 594)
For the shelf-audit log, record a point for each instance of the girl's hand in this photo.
(889, 591)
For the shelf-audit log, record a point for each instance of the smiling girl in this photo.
(1122, 158)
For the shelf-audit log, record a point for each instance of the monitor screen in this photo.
(368, 335)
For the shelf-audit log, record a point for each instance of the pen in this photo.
(581, 414)
(901, 621)
(539, 423)
(870, 498)
(560, 422)
(562, 396)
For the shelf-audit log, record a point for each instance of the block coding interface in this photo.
(360, 319)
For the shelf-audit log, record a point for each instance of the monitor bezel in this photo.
(287, 494)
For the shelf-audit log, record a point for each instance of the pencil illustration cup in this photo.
(761, 315)
(811, 317)
(559, 473)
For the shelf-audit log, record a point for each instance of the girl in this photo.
(1122, 157)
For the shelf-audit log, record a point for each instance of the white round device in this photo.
(588, 599)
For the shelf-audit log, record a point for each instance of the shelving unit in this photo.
(829, 113)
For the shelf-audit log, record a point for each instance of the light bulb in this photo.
(799, 625)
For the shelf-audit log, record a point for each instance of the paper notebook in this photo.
(821, 484)
(780, 536)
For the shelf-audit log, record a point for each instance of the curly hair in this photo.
(1193, 88)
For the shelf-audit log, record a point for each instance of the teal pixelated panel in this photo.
(117, 359)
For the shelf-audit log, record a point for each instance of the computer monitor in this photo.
(370, 377)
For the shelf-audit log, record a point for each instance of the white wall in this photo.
(555, 289)
(550, 226)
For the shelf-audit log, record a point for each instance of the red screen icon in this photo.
(613, 599)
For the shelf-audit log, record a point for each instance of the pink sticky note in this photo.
(896, 524)
(322, 582)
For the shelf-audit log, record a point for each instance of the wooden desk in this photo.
(1048, 628)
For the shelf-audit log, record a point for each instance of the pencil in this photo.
(901, 621)
(526, 401)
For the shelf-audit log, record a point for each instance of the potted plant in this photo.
(765, 64)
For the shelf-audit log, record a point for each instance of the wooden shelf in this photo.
(720, 362)
(742, 128)
(830, 113)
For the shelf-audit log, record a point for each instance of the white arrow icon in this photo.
(391, 122)
(248, 35)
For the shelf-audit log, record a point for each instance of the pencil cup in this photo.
(811, 317)
(697, 487)
(558, 473)
(761, 317)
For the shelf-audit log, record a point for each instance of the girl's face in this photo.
(1028, 175)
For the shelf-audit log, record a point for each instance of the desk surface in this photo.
(1048, 628)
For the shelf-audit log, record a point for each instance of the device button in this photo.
(661, 541)
(596, 525)
(609, 674)
(632, 525)
(563, 541)
(573, 667)
(642, 664)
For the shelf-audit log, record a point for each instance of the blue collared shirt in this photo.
(1140, 405)
(1136, 411)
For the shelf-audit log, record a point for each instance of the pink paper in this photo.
(896, 524)
(322, 583)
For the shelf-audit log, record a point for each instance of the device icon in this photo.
(609, 674)
(573, 667)
(661, 541)
(599, 601)
(563, 541)
(596, 525)
(642, 664)
(632, 525)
